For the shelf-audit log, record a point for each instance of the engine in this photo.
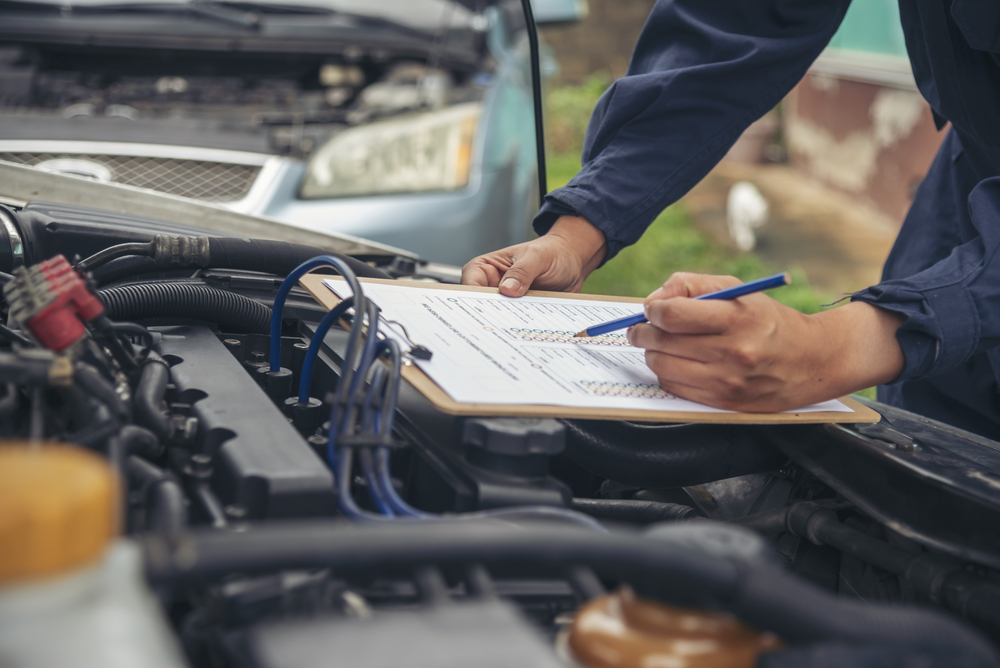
(286, 499)
(294, 104)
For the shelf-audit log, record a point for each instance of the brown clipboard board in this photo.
(313, 283)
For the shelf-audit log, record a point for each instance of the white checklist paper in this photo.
(492, 349)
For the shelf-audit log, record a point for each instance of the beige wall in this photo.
(873, 142)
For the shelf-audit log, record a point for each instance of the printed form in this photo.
(492, 349)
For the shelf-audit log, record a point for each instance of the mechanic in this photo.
(700, 74)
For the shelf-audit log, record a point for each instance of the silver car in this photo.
(406, 122)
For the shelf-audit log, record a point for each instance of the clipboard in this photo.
(313, 283)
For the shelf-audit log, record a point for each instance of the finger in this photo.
(475, 273)
(677, 372)
(522, 273)
(690, 316)
(686, 284)
(714, 384)
(696, 348)
(694, 381)
(486, 270)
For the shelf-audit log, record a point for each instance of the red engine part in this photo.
(53, 302)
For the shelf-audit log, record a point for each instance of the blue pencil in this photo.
(775, 281)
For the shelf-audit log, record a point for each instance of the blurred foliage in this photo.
(567, 113)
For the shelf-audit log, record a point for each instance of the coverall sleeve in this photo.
(702, 71)
(952, 307)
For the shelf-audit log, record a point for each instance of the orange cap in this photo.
(58, 509)
(621, 630)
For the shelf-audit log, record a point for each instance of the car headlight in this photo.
(416, 153)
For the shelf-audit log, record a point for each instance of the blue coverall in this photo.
(703, 71)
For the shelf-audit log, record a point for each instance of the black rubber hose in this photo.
(114, 252)
(8, 402)
(149, 393)
(368, 548)
(635, 511)
(275, 257)
(768, 523)
(90, 380)
(133, 265)
(263, 255)
(78, 405)
(934, 577)
(771, 599)
(192, 301)
(166, 510)
(763, 596)
(668, 456)
(138, 441)
(93, 435)
(12, 336)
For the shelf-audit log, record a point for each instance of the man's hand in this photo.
(754, 354)
(559, 260)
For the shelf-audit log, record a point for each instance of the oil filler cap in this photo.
(515, 437)
(58, 509)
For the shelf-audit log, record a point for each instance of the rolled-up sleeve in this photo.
(700, 74)
(952, 308)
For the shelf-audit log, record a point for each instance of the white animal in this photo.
(746, 210)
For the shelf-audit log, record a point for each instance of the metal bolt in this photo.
(185, 427)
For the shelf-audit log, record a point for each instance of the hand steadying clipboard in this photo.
(504, 357)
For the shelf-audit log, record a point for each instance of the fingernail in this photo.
(511, 284)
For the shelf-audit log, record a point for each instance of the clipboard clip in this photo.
(416, 350)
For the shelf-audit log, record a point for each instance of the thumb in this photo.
(516, 280)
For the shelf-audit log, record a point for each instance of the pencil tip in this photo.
(580, 335)
(788, 278)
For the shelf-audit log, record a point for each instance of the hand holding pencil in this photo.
(761, 284)
(755, 354)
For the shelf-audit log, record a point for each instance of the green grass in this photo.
(673, 243)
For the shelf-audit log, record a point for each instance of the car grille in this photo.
(197, 179)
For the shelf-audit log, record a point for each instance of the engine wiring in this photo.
(363, 407)
(332, 316)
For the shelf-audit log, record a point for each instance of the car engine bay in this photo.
(250, 103)
(290, 501)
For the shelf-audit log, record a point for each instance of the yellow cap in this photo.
(58, 509)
